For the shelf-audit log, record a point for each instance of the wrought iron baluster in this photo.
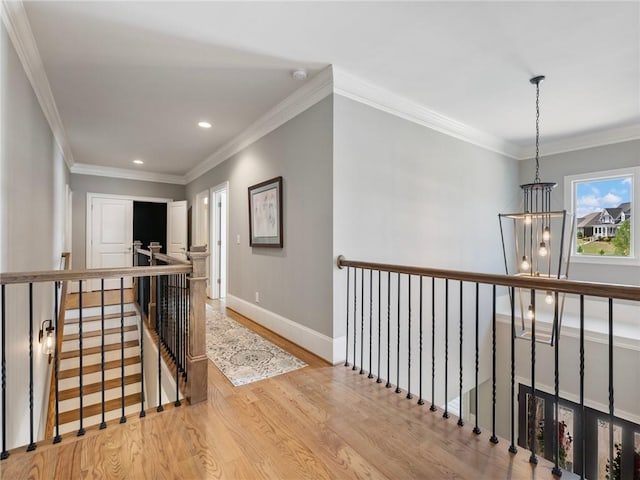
(361, 321)
(379, 380)
(409, 395)
(56, 366)
(141, 335)
(556, 420)
(159, 316)
(476, 429)
(583, 436)
(177, 328)
(388, 384)
(611, 409)
(460, 419)
(494, 438)
(446, 347)
(5, 454)
(420, 399)
(81, 430)
(433, 407)
(32, 445)
(103, 424)
(355, 309)
(398, 349)
(346, 353)
(533, 411)
(512, 447)
(370, 322)
(123, 417)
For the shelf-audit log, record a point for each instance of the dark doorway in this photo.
(150, 223)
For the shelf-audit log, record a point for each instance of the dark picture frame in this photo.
(265, 214)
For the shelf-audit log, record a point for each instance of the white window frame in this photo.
(570, 182)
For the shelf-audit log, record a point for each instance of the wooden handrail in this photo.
(144, 252)
(606, 290)
(171, 260)
(74, 275)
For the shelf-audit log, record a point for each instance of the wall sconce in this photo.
(46, 338)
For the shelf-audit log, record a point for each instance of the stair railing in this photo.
(420, 330)
(25, 300)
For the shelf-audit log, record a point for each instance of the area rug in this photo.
(242, 355)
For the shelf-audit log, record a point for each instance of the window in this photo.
(605, 208)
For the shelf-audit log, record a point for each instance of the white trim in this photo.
(112, 172)
(314, 90)
(19, 30)
(356, 89)
(309, 339)
(580, 142)
(213, 235)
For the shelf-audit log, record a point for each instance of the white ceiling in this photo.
(131, 80)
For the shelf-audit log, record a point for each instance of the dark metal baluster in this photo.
(56, 366)
(141, 335)
(123, 417)
(494, 438)
(388, 384)
(420, 399)
(81, 430)
(346, 353)
(512, 447)
(433, 407)
(355, 309)
(32, 445)
(476, 429)
(370, 322)
(177, 323)
(361, 321)
(409, 395)
(611, 382)
(533, 411)
(556, 421)
(446, 347)
(379, 380)
(583, 424)
(160, 408)
(460, 419)
(398, 350)
(103, 424)
(5, 454)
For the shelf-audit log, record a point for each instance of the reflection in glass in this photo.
(605, 470)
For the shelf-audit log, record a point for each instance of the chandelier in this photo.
(536, 243)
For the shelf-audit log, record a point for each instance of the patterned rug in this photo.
(242, 355)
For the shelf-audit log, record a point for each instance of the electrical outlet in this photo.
(257, 297)
(237, 239)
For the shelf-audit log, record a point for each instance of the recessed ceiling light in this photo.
(137, 161)
(204, 124)
(299, 74)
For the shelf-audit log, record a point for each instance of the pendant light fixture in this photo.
(538, 246)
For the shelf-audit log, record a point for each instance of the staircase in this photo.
(69, 374)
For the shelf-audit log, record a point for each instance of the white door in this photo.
(177, 229)
(111, 237)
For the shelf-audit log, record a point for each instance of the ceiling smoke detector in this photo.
(300, 74)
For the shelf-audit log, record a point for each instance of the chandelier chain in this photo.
(537, 179)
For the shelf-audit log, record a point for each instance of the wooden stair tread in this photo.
(96, 408)
(93, 350)
(96, 387)
(93, 368)
(93, 318)
(96, 333)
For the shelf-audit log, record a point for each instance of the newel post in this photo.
(154, 248)
(136, 245)
(197, 353)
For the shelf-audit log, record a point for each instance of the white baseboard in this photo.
(315, 342)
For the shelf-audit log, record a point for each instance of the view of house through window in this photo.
(603, 216)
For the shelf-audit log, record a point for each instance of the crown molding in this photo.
(125, 173)
(19, 30)
(314, 90)
(581, 142)
(356, 89)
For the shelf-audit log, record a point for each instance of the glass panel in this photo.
(605, 470)
(565, 438)
(539, 422)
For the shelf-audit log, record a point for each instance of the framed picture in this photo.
(265, 214)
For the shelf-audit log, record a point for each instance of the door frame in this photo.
(213, 235)
(89, 221)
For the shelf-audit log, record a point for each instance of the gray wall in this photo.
(295, 281)
(556, 167)
(83, 184)
(406, 194)
(32, 198)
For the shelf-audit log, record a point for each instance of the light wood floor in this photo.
(320, 422)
